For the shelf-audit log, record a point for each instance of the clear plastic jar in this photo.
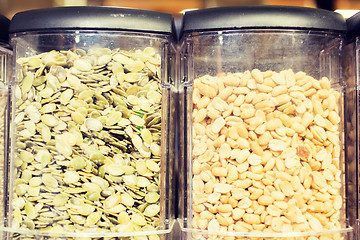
(262, 107)
(5, 75)
(350, 59)
(91, 123)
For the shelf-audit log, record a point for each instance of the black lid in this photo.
(260, 17)
(91, 18)
(353, 25)
(4, 29)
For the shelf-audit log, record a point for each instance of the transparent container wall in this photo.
(262, 113)
(91, 149)
(350, 77)
(5, 75)
(25, 234)
(199, 235)
(5, 62)
(311, 52)
(4, 105)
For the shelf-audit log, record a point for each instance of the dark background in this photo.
(175, 7)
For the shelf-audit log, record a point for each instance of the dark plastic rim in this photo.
(353, 24)
(4, 29)
(91, 18)
(262, 17)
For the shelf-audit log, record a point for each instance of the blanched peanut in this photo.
(266, 153)
(251, 218)
(282, 99)
(218, 124)
(224, 221)
(274, 124)
(225, 208)
(203, 102)
(219, 172)
(206, 90)
(237, 213)
(265, 200)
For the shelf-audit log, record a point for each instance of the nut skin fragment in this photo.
(276, 136)
(304, 151)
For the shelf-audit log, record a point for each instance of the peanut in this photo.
(266, 153)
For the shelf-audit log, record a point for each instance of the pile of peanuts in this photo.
(267, 155)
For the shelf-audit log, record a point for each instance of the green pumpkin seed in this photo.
(89, 126)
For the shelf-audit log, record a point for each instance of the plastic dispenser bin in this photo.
(262, 111)
(91, 124)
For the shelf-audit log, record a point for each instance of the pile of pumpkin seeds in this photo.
(88, 133)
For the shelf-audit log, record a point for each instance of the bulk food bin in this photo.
(261, 100)
(91, 135)
(350, 64)
(5, 74)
